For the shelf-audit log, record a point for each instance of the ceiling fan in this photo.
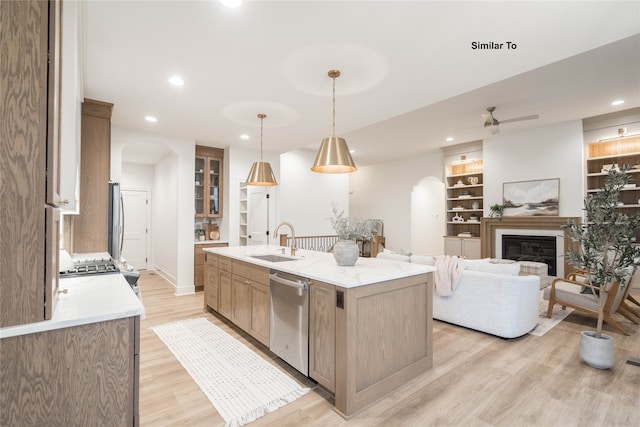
(489, 120)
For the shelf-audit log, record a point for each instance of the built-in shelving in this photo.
(464, 208)
(618, 152)
(464, 188)
(243, 208)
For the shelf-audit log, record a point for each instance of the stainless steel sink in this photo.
(273, 258)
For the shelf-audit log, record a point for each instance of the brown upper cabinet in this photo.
(89, 228)
(29, 216)
(208, 182)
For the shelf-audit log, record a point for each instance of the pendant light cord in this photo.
(334, 74)
(261, 117)
(333, 133)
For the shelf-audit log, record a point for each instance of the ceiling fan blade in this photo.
(519, 119)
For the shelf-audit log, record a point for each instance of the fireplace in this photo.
(492, 230)
(531, 248)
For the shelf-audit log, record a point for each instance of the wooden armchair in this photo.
(587, 302)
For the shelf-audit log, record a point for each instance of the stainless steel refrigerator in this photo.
(116, 222)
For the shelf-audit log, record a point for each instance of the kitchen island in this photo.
(370, 325)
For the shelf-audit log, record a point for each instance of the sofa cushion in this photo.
(422, 259)
(393, 257)
(489, 267)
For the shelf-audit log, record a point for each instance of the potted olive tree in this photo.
(604, 250)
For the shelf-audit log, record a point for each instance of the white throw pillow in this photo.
(422, 259)
(488, 267)
(392, 256)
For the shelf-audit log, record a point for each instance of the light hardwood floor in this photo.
(477, 379)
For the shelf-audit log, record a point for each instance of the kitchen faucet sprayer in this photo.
(293, 236)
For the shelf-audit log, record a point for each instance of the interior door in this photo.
(258, 215)
(135, 244)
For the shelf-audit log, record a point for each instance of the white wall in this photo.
(137, 176)
(163, 218)
(383, 192)
(306, 197)
(554, 151)
(428, 217)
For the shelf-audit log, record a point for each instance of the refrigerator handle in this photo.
(121, 231)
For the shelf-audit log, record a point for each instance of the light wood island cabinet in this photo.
(240, 292)
(322, 334)
(370, 326)
(250, 299)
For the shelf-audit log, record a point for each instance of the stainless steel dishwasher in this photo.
(289, 319)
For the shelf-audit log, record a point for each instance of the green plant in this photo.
(351, 229)
(496, 210)
(605, 243)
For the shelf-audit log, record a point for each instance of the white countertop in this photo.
(208, 242)
(89, 299)
(321, 265)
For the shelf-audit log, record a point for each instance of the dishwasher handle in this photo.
(292, 283)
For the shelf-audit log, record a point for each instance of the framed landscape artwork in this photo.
(531, 198)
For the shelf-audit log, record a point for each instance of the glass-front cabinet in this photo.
(208, 182)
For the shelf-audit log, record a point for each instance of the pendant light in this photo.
(261, 173)
(334, 156)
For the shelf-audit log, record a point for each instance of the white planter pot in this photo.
(346, 252)
(597, 352)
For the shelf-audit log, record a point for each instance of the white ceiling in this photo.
(409, 75)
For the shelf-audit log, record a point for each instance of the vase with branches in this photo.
(346, 250)
(605, 245)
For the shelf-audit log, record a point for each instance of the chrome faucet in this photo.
(293, 236)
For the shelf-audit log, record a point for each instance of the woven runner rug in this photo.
(545, 324)
(240, 384)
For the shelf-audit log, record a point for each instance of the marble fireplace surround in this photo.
(492, 229)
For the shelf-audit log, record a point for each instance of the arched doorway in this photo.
(427, 217)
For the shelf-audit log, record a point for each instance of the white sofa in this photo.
(489, 297)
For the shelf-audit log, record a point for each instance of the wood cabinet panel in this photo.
(211, 282)
(241, 304)
(251, 272)
(322, 334)
(24, 92)
(260, 300)
(463, 247)
(90, 226)
(224, 264)
(383, 339)
(71, 377)
(198, 262)
(225, 294)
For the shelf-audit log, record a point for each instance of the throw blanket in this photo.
(448, 273)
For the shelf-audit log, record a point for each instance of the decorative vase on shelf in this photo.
(346, 252)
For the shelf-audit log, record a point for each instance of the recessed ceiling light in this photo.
(449, 139)
(231, 3)
(176, 81)
(352, 151)
(244, 136)
(618, 102)
(151, 119)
